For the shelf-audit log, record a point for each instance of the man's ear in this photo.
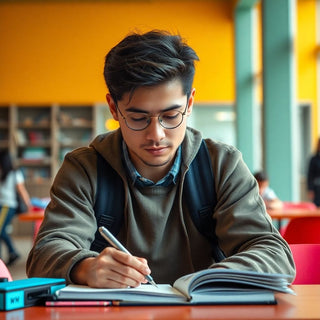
(112, 106)
(190, 101)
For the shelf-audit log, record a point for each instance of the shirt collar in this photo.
(171, 176)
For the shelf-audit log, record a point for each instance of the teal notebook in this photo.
(27, 292)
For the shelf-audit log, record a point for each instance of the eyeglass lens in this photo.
(168, 119)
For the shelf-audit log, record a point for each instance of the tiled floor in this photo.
(23, 246)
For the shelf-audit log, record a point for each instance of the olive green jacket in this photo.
(157, 223)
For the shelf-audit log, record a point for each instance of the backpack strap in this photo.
(109, 202)
(200, 196)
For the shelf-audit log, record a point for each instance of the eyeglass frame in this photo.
(149, 117)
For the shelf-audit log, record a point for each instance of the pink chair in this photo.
(307, 260)
(303, 230)
(4, 272)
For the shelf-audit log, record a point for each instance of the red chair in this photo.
(303, 205)
(303, 230)
(307, 260)
(4, 272)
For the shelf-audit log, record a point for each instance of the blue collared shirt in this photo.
(139, 180)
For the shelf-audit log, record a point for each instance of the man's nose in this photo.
(155, 131)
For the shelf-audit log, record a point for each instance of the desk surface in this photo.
(293, 213)
(305, 305)
(33, 215)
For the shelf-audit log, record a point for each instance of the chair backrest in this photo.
(4, 271)
(303, 230)
(307, 260)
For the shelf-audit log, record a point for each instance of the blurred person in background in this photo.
(313, 178)
(11, 182)
(268, 195)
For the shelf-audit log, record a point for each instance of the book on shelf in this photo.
(34, 153)
(20, 138)
(211, 286)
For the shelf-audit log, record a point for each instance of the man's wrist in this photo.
(80, 271)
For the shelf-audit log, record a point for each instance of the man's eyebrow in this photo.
(138, 110)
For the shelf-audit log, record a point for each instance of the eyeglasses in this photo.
(169, 119)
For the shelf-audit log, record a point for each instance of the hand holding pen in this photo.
(106, 234)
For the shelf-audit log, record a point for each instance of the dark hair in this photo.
(5, 164)
(148, 59)
(261, 176)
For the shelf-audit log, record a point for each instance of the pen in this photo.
(115, 243)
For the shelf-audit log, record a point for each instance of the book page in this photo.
(211, 280)
(144, 292)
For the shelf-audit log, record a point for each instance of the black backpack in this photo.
(198, 192)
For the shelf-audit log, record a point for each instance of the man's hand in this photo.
(111, 269)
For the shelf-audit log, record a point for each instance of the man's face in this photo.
(153, 149)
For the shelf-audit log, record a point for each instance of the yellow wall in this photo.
(53, 52)
(307, 59)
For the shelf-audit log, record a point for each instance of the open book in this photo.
(211, 286)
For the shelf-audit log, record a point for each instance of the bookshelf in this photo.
(76, 126)
(32, 145)
(4, 127)
(38, 138)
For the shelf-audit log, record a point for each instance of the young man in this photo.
(149, 77)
